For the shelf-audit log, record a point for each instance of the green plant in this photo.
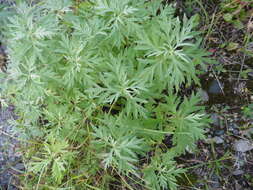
(248, 111)
(161, 173)
(236, 11)
(96, 85)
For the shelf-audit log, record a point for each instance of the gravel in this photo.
(10, 158)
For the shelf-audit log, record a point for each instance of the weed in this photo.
(95, 85)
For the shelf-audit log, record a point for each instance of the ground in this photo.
(224, 159)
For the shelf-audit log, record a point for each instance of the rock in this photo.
(234, 129)
(215, 118)
(215, 87)
(204, 96)
(20, 166)
(233, 126)
(219, 132)
(247, 132)
(238, 172)
(240, 159)
(243, 146)
(250, 74)
(236, 132)
(218, 140)
(238, 186)
(215, 182)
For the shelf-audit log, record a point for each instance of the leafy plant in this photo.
(96, 88)
(54, 156)
(247, 111)
(162, 173)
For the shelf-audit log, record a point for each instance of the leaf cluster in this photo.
(95, 85)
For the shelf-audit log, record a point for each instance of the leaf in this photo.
(118, 146)
(187, 120)
(228, 17)
(58, 170)
(161, 173)
(232, 46)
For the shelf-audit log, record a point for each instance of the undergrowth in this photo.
(96, 89)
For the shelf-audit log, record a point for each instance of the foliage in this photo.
(96, 88)
(236, 12)
(248, 111)
(161, 173)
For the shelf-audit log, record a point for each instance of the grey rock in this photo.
(218, 140)
(238, 186)
(204, 95)
(243, 146)
(215, 118)
(247, 132)
(240, 159)
(233, 126)
(20, 166)
(219, 132)
(215, 87)
(250, 74)
(238, 172)
(216, 184)
(236, 132)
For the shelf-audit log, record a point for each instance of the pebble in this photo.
(234, 129)
(215, 182)
(233, 126)
(20, 166)
(238, 172)
(243, 146)
(215, 118)
(238, 187)
(247, 132)
(204, 95)
(215, 87)
(219, 132)
(218, 140)
(236, 132)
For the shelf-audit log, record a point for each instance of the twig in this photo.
(244, 55)
(218, 81)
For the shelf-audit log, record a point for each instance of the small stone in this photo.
(218, 140)
(238, 172)
(250, 74)
(219, 132)
(215, 87)
(204, 96)
(247, 132)
(243, 146)
(233, 126)
(215, 182)
(238, 186)
(236, 132)
(215, 119)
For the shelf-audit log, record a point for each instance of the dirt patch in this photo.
(10, 158)
(222, 161)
